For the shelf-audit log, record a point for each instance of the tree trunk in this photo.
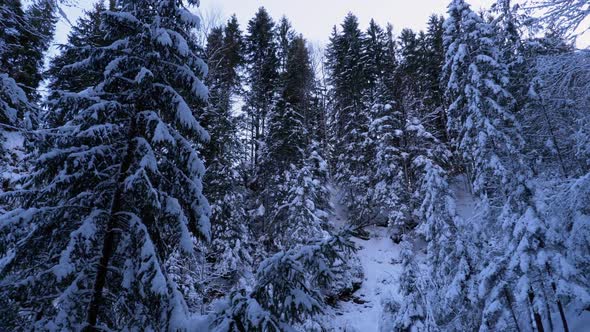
(509, 299)
(536, 315)
(561, 311)
(559, 305)
(109, 242)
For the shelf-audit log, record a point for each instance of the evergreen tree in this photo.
(41, 16)
(390, 195)
(113, 208)
(434, 59)
(288, 290)
(67, 71)
(480, 111)
(229, 253)
(25, 38)
(412, 314)
(512, 274)
(375, 59)
(19, 77)
(299, 199)
(285, 36)
(448, 265)
(262, 74)
(350, 120)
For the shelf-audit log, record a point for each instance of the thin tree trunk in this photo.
(561, 311)
(548, 308)
(109, 242)
(559, 304)
(552, 132)
(536, 315)
(509, 299)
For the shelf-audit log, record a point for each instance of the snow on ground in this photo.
(378, 256)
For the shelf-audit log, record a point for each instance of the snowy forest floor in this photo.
(380, 261)
(378, 256)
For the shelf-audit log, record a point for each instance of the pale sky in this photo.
(315, 18)
(312, 18)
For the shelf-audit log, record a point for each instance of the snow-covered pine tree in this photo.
(413, 314)
(448, 264)
(262, 74)
(390, 196)
(480, 111)
(350, 120)
(41, 15)
(434, 58)
(484, 133)
(285, 35)
(288, 290)
(25, 39)
(376, 61)
(513, 265)
(399, 132)
(298, 199)
(229, 252)
(115, 205)
(66, 72)
(23, 43)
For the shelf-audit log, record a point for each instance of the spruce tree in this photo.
(115, 204)
(229, 250)
(67, 71)
(350, 120)
(412, 314)
(19, 73)
(262, 74)
(289, 288)
(285, 36)
(434, 58)
(512, 274)
(26, 38)
(299, 195)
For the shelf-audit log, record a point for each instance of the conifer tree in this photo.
(67, 71)
(41, 16)
(224, 188)
(412, 314)
(22, 47)
(511, 277)
(350, 120)
(288, 290)
(285, 36)
(299, 196)
(434, 58)
(114, 206)
(26, 38)
(262, 74)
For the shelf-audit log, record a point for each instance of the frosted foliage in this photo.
(118, 179)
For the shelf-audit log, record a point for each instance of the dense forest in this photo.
(158, 175)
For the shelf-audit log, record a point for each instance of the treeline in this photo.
(167, 185)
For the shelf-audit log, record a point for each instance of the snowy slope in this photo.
(362, 311)
(378, 256)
